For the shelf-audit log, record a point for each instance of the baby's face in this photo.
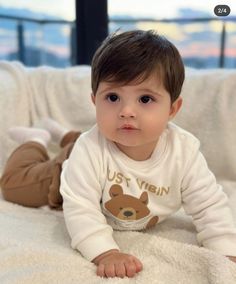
(133, 116)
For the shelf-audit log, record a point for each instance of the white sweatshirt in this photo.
(103, 189)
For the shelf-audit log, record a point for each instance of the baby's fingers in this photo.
(101, 270)
(110, 270)
(130, 268)
(120, 270)
(106, 270)
(138, 264)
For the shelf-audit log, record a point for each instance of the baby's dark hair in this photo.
(132, 56)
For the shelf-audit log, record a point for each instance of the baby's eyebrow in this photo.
(111, 88)
(108, 90)
(145, 90)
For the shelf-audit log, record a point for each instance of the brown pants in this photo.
(31, 179)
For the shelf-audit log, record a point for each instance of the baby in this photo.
(135, 151)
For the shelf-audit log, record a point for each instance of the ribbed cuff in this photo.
(224, 245)
(96, 244)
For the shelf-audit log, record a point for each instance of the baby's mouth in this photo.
(128, 127)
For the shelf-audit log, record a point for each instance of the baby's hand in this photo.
(232, 258)
(116, 264)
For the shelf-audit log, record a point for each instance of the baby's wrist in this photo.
(97, 259)
(232, 258)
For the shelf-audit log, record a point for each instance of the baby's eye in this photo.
(112, 98)
(146, 99)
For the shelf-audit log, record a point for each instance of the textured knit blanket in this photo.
(34, 243)
(29, 94)
(35, 248)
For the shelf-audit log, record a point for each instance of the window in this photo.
(43, 36)
(203, 39)
(46, 35)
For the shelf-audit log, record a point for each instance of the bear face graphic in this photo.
(127, 207)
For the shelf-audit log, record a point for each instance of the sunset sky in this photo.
(151, 8)
(148, 8)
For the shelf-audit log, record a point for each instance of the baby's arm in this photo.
(86, 224)
(206, 202)
(232, 258)
(117, 264)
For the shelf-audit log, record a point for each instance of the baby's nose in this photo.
(127, 112)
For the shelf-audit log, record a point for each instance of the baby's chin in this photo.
(124, 140)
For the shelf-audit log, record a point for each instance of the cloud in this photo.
(63, 8)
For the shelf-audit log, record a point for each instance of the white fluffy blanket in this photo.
(28, 94)
(34, 243)
(35, 248)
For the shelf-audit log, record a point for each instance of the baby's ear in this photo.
(175, 107)
(93, 98)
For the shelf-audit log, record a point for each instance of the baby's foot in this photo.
(56, 130)
(25, 134)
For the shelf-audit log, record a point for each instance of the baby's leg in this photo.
(27, 176)
(30, 178)
(54, 196)
(28, 171)
(69, 137)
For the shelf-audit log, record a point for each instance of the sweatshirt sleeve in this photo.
(206, 202)
(82, 193)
